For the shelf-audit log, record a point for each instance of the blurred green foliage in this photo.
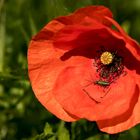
(22, 117)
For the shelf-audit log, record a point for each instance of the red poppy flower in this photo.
(81, 67)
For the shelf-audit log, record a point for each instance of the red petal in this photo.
(79, 16)
(118, 98)
(49, 30)
(76, 36)
(76, 101)
(133, 46)
(95, 12)
(68, 91)
(44, 66)
(126, 120)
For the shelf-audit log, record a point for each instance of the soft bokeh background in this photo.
(22, 117)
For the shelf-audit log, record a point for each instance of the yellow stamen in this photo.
(106, 58)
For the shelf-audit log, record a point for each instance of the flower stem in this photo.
(113, 136)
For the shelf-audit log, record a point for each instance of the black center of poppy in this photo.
(109, 67)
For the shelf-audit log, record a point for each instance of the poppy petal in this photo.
(76, 101)
(95, 12)
(133, 46)
(126, 120)
(68, 91)
(48, 31)
(75, 36)
(78, 16)
(42, 73)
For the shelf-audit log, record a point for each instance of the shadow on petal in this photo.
(123, 117)
(90, 50)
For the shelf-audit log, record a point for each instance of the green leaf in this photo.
(63, 133)
(46, 135)
(48, 129)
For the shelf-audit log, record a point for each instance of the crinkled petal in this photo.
(133, 46)
(95, 12)
(78, 17)
(79, 100)
(48, 32)
(126, 120)
(68, 91)
(44, 66)
(75, 36)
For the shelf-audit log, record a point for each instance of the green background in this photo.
(22, 117)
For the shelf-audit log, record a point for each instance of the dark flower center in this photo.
(109, 67)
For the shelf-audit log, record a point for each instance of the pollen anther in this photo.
(106, 58)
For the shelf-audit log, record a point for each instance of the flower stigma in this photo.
(106, 58)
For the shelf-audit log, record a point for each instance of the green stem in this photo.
(113, 136)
